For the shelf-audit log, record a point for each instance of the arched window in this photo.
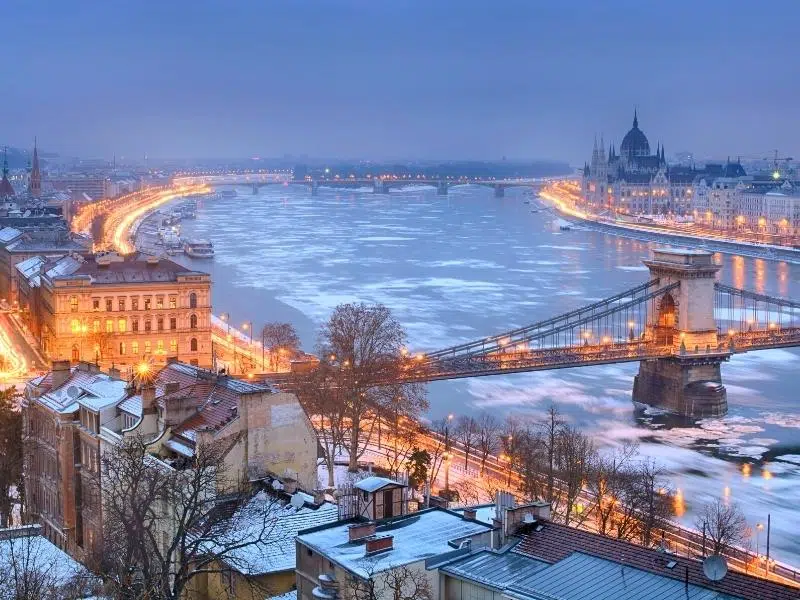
(193, 345)
(76, 354)
(193, 322)
(192, 300)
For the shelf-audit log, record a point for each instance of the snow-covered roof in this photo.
(37, 553)
(418, 536)
(92, 390)
(287, 596)
(276, 552)
(132, 405)
(8, 234)
(373, 484)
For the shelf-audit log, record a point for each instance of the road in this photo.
(18, 348)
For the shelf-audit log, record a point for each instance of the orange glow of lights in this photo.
(746, 469)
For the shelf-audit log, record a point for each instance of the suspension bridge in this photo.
(681, 325)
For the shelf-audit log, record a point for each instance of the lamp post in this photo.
(759, 527)
(248, 327)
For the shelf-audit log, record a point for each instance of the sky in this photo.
(392, 79)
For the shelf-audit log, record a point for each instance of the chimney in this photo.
(289, 485)
(359, 531)
(61, 372)
(379, 544)
(470, 514)
(148, 391)
(319, 497)
(114, 373)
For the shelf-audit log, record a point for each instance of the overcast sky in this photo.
(398, 78)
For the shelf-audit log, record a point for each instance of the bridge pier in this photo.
(689, 382)
(255, 189)
(441, 188)
(313, 187)
(691, 387)
(499, 191)
(380, 187)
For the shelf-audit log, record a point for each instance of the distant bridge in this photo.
(379, 184)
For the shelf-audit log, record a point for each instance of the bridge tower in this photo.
(689, 382)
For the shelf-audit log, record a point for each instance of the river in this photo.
(458, 267)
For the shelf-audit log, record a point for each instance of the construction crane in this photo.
(776, 163)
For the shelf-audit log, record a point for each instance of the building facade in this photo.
(119, 311)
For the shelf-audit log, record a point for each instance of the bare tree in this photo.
(11, 448)
(393, 583)
(29, 570)
(466, 432)
(574, 454)
(654, 499)
(163, 526)
(320, 394)
(550, 433)
(724, 524)
(488, 432)
(365, 342)
(608, 482)
(531, 459)
(279, 339)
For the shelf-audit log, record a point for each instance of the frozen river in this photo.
(458, 267)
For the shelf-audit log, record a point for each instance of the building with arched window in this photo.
(121, 310)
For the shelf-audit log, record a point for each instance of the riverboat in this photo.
(199, 249)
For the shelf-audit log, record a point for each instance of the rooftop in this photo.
(417, 537)
(554, 543)
(93, 390)
(133, 268)
(581, 576)
(373, 484)
(495, 569)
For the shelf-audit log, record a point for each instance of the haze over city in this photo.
(378, 80)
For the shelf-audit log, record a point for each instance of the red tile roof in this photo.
(555, 542)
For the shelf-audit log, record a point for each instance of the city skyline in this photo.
(351, 79)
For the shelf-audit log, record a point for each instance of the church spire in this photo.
(35, 184)
(635, 119)
(6, 189)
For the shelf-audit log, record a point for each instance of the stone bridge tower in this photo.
(689, 382)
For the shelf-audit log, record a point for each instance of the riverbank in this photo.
(644, 233)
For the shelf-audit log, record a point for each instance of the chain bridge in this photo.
(680, 326)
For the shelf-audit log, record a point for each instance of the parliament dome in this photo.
(635, 141)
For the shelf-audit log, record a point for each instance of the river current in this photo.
(459, 267)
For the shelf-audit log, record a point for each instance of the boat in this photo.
(199, 249)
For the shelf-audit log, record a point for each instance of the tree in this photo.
(488, 431)
(11, 447)
(163, 526)
(608, 483)
(31, 570)
(394, 583)
(724, 524)
(574, 453)
(550, 433)
(655, 499)
(365, 342)
(531, 458)
(466, 432)
(279, 339)
(418, 463)
(320, 394)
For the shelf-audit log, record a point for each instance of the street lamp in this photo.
(248, 327)
(759, 528)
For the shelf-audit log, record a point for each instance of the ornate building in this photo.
(6, 189)
(35, 183)
(635, 181)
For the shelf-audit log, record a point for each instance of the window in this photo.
(109, 304)
(121, 303)
(75, 326)
(160, 346)
(160, 323)
(173, 346)
(135, 303)
(135, 325)
(135, 347)
(193, 322)
(192, 300)
(121, 325)
(122, 348)
(173, 323)
(193, 345)
(147, 302)
(96, 326)
(159, 301)
(173, 302)
(73, 303)
(95, 303)
(147, 325)
(147, 347)
(109, 325)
